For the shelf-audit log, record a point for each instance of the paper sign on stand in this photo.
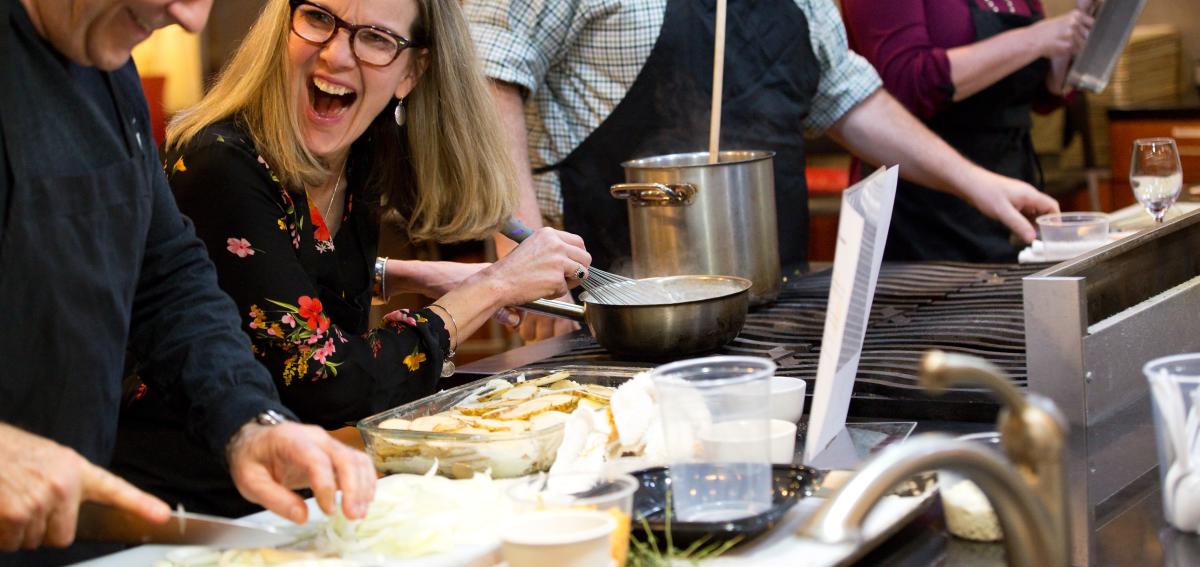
(862, 232)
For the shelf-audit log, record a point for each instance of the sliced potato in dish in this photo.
(557, 402)
(395, 423)
(439, 423)
(520, 393)
(548, 419)
(549, 379)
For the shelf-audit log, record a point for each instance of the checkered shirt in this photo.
(578, 58)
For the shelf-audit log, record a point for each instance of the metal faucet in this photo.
(1029, 494)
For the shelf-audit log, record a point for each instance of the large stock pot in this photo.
(687, 217)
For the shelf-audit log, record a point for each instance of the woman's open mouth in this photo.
(329, 101)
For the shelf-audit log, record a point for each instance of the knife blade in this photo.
(102, 523)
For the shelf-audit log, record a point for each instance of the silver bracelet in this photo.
(379, 281)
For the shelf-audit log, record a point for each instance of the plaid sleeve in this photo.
(517, 40)
(846, 78)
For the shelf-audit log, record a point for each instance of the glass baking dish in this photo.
(461, 455)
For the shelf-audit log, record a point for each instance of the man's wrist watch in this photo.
(267, 418)
(270, 417)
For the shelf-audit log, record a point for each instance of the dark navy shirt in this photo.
(95, 260)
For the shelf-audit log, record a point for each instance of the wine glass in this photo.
(1155, 175)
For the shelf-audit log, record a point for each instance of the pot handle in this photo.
(643, 194)
(554, 308)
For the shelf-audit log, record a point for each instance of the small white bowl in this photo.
(787, 398)
(733, 441)
(559, 538)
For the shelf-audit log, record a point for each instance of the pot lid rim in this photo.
(651, 162)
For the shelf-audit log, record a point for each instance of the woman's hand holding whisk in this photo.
(546, 265)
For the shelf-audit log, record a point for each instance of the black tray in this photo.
(792, 482)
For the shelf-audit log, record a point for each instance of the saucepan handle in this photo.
(643, 194)
(553, 308)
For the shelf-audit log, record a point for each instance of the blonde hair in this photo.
(446, 176)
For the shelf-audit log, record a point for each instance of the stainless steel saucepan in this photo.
(700, 314)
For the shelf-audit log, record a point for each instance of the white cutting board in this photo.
(464, 556)
(779, 547)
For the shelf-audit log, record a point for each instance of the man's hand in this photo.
(42, 484)
(880, 130)
(268, 461)
(1011, 202)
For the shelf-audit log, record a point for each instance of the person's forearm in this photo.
(427, 278)
(977, 66)
(1056, 79)
(512, 113)
(880, 131)
(470, 305)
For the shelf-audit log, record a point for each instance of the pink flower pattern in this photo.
(325, 351)
(239, 247)
(297, 339)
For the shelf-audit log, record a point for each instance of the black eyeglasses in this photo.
(371, 45)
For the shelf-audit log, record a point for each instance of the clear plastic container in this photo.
(1071, 234)
(969, 514)
(458, 455)
(717, 428)
(1175, 393)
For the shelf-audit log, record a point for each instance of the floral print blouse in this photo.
(305, 294)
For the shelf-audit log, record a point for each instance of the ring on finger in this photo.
(580, 272)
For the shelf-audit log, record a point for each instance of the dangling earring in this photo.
(400, 112)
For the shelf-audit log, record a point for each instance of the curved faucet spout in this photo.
(941, 370)
(1030, 534)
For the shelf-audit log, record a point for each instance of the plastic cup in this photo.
(609, 493)
(1072, 233)
(1174, 389)
(559, 538)
(717, 431)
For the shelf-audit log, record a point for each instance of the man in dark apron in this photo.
(95, 258)
(991, 128)
(773, 81)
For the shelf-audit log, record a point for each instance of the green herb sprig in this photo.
(647, 553)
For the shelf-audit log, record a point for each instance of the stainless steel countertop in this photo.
(1136, 534)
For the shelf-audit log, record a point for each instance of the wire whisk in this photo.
(613, 289)
(604, 287)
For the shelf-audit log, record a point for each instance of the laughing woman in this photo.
(330, 115)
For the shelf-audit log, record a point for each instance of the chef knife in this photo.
(103, 523)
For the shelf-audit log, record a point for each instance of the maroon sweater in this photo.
(906, 41)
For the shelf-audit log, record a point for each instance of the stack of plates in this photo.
(1146, 73)
(1148, 70)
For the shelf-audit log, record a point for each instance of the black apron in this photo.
(991, 128)
(771, 75)
(71, 250)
